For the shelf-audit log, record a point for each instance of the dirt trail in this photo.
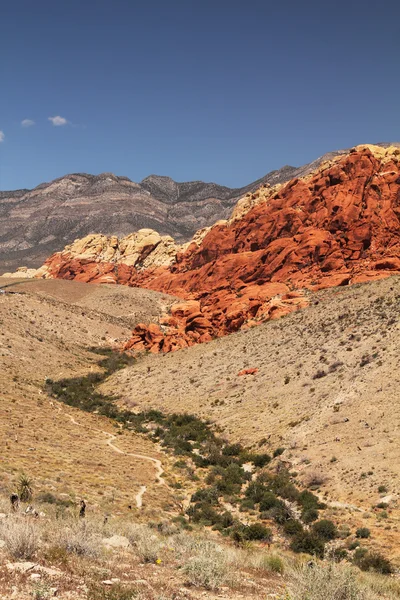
(111, 437)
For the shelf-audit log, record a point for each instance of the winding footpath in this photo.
(110, 443)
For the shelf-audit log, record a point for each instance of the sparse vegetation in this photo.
(20, 536)
(25, 491)
(363, 532)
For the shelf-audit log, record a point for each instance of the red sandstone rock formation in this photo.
(252, 371)
(338, 226)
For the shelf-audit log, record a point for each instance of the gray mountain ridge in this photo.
(35, 223)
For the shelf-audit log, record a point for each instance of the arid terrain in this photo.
(324, 389)
(226, 407)
(47, 328)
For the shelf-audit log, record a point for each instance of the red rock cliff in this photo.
(338, 226)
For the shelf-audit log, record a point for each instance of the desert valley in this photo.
(213, 414)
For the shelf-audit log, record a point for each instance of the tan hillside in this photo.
(325, 389)
(46, 328)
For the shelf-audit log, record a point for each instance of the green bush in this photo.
(280, 513)
(268, 501)
(307, 499)
(325, 529)
(260, 460)
(255, 531)
(339, 554)
(256, 491)
(247, 504)
(232, 449)
(309, 515)
(308, 543)
(363, 533)
(292, 527)
(278, 452)
(209, 495)
(373, 561)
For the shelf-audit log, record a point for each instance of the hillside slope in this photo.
(47, 328)
(325, 389)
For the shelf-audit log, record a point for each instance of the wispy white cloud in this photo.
(27, 123)
(58, 121)
(2, 136)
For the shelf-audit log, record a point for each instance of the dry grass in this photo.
(80, 538)
(21, 537)
(330, 581)
(146, 544)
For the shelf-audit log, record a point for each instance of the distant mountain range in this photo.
(35, 223)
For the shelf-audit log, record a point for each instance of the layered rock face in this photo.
(35, 223)
(336, 226)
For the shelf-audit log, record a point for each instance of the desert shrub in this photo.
(247, 504)
(208, 568)
(274, 563)
(307, 499)
(204, 513)
(97, 591)
(230, 479)
(315, 479)
(359, 554)
(209, 495)
(280, 513)
(338, 554)
(41, 591)
(256, 491)
(21, 538)
(343, 531)
(332, 582)
(258, 531)
(146, 544)
(325, 529)
(308, 543)
(309, 515)
(382, 489)
(49, 498)
(363, 533)
(232, 449)
(289, 492)
(226, 519)
(56, 555)
(260, 460)
(278, 452)
(373, 561)
(353, 545)
(268, 501)
(292, 527)
(80, 539)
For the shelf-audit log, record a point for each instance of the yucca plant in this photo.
(25, 491)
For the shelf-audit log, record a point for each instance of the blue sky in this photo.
(221, 90)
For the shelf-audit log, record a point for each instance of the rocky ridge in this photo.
(336, 226)
(35, 223)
